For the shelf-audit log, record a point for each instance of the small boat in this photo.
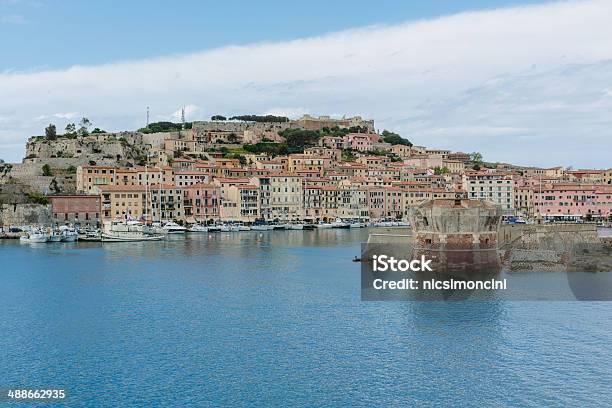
(54, 236)
(309, 227)
(173, 228)
(294, 226)
(129, 238)
(69, 234)
(262, 227)
(119, 231)
(198, 228)
(214, 228)
(35, 236)
(224, 228)
(355, 225)
(323, 225)
(338, 223)
(278, 227)
(91, 236)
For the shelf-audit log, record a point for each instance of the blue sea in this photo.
(275, 319)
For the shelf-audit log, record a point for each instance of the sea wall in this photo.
(539, 235)
(25, 214)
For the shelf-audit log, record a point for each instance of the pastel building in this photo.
(76, 209)
(573, 201)
(201, 202)
(495, 187)
(90, 179)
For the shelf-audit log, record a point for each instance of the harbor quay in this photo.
(243, 172)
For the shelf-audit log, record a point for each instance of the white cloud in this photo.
(190, 110)
(477, 81)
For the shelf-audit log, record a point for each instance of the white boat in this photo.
(239, 227)
(323, 225)
(92, 236)
(356, 225)
(69, 234)
(173, 228)
(198, 228)
(224, 228)
(295, 226)
(338, 223)
(262, 227)
(35, 236)
(120, 231)
(55, 236)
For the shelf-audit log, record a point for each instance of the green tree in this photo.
(35, 197)
(260, 118)
(348, 155)
(46, 169)
(164, 127)
(476, 159)
(272, 149)
(441, 170)
(298, 139)
(70, 130)
(84, 125)
(51, 132)
(232, 138)
(218, 117)
(98, 130)
(394, 138)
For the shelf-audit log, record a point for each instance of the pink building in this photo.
(573, 200)
(78, 209)
(358, 141)
(201, 202)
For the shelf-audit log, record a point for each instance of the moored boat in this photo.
(173, 228)
(36, 235)
(294, 226)
(69, 234)
(120, 231)
(262, 227)
(338, 223)
(198, 228)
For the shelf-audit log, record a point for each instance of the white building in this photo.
(496, 187)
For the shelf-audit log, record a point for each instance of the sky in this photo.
(525, 82)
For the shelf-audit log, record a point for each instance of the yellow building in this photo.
(90, 179)
(286, 196)
(123, 202)
(241, 203)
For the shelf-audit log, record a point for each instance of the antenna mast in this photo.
(147, 116)
(183, 117)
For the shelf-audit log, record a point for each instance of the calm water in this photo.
(275, 319)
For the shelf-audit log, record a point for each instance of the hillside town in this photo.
(250, 169)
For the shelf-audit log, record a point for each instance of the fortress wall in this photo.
(25, 214)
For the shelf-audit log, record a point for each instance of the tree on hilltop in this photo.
(218, 117)
(84, 125)
(394, 138)
(51, 132)
(70, 130)
(476, 159)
